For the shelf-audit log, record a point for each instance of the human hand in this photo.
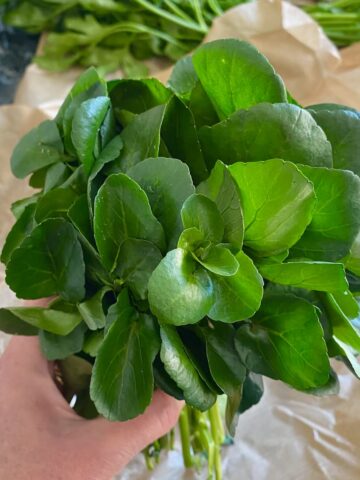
(42, 438)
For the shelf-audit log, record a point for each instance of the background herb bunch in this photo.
(195, 236)
(114, 33)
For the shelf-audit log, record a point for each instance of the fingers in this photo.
(132, 436)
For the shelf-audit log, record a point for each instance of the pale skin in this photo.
(42, 438)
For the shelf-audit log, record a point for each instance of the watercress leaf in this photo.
(201, 107)
(221, 188)
(48, 262)
(342, 128)
(79, 216)
(180, 293)
(219, 260)
(180, 368)
(267, 131)
(341, 326)
(55, 176)
(55, 204)
(77, 181)
(141, 138)
(202, 213)
(136, 261)
(85, 126)
(336, 216)
(108, 154)
(167, 183)
(191, 239)
(321, 276)
(348, 354)
(13, 325)
(179, 133)
(92, 309)
(285, 341)
(277, 200)
(237, 297)
(122, 211)
(352, 260)
(89, 85)
(41, 147)
(37, 179)
(93, 342)
(183, 78)
(21, 229)
(60, 319)
(332, 387)
(124, 366)
(57, 347)
(137, 96)
(224, 362)
(18, 207)
(236, 75)
(118, 308)
(164, 381)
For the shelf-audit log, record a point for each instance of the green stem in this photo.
(169, 16)
(216, 424)
(185, 437)
(215, 7)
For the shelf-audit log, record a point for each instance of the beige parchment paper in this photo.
(289, 435)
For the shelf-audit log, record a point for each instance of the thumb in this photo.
(124, 440)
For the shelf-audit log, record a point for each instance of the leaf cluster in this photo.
(114, 34)
(196, 236)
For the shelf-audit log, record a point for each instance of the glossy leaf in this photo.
(237, 297)
(276, 212)
(92, 309)
(235, 75)
(167, 183)
(267, 131)
(56, 347)
(55, 204)
(86, 123)
(202, 213)
(336, 216)
(221, 188)
(182, 371)
(180, 293)
(285, 341)
(13, 325)
(41, 147)
(122, 211)
(321, 276)
(219, 260)
(124, 364)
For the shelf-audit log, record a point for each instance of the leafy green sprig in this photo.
(114, 34)
(196, 237)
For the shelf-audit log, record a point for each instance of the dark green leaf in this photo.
(180, 136)
(59, 318)
(48, 262)
(122, 382)
(277, 200)
(235, 75)
(342, 128)
(136, 261)
(219, 260)
(13, 325)
(167, 183)
(191, 239)
(336, 216)
(57, 347)
(122, 211)
(85, 126)
(267, 131)
(179, 292)
(221, 188)
(93, 342)
(55, 204)
(92, 309)
(321, 276)
(183, 78)
(56, 175)
(40, 147)
(285, 341)
(23, 227)
(180, 368)
(202, 213)
(237, 297)
(165, 382)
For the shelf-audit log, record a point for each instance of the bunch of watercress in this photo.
(114, 33)
(196, 237)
